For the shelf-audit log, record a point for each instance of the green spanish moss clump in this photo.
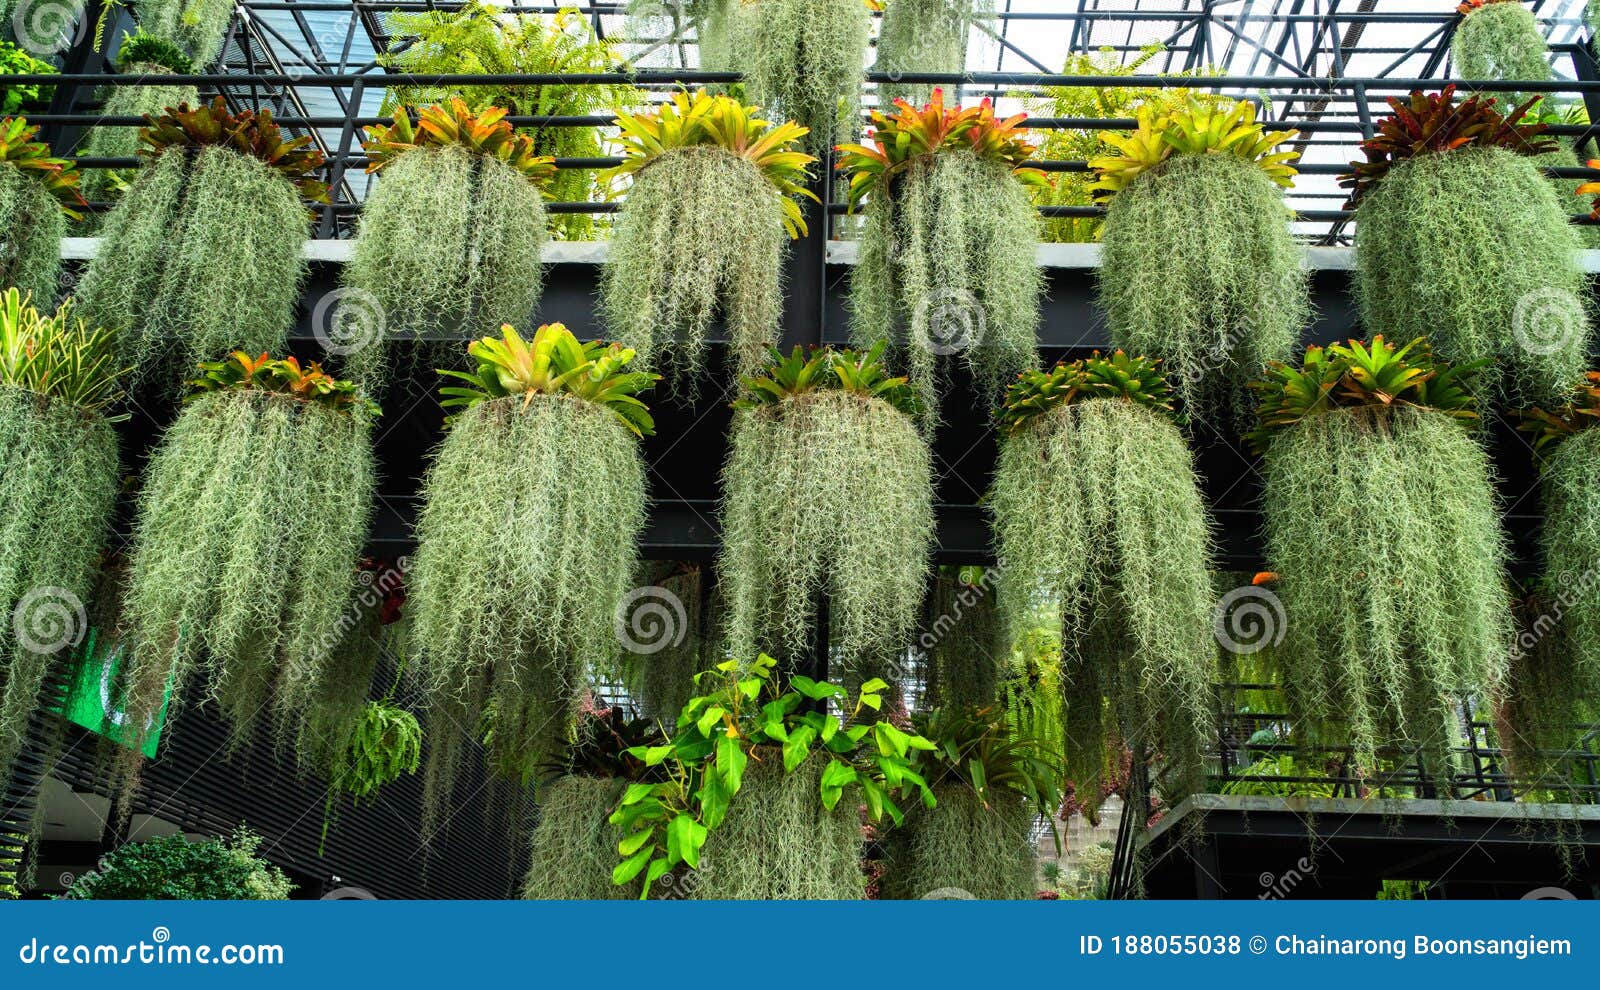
(197, 260)
(447, 239)
(963, 640)
(58, 484)
(1570, 540)
(196, 26)
(665, 645)
(225, 579)
(525, 547)
(31, 228)
(1473, 249)
(101, 184)
(1501, 41)
(947, 268)
(574, 846)
(700, 236)
(923, 36)
(1099, 520)
(1549, 697)
(962, 845)
(826, 493)
(1215, 296)
(802, 60)
(779, 843)
(1391, 562)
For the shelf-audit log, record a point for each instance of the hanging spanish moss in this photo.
(827, 493)
(664, 643)
(30, 257)
(924, 36)
(1501, 40)
(963, 848)
(1385, 535)
(963, 641)
(803, 60)
(574, 846)
(1570, 542)
(102, 184)
(779, 843)
(1549, 695)
(223, 583)
(196, 26)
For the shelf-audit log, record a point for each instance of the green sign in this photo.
(93, 699)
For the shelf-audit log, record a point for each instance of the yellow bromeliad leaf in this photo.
(1194, 128)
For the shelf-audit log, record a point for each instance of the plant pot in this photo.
(960, 849)
(1472, 249)
(31, 228)
(58, 485)
(1214, 297)
(574, 846)
(826, 493)
(778, 843)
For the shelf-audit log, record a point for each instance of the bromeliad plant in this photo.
(203, 252)
(218, 589)
(719, 186)
(453, 233)
(753, 782)
(1223, 292)
(1098, 516)
(924, 36)
(947, 253)
(1383, 531)
(828, 492)
(505, 617)
(991, 786)
(1500, 40)
(1462, 239)
(38, 194)
(58, 484)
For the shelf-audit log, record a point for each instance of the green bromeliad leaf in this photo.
(858, 372)
(59, 175)
(1036, 393)
(262, 373)
(57, 354)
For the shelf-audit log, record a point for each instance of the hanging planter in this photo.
(508, 608)
(703, 231)
(1500, 40)
(1383, 530)
(1460, 238)
(452, 234)
(924, 36)
(802, 60)
(828, 493)
(38, 194)
(947, 254)
(1099, 519)
(58, 485)
(218, 584)
(1224, 291)
(146, 56)
(977, 840)
(203, 251)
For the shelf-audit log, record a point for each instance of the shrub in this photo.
(203, 252)
(172, 868)
(506, 616)
(58, 485)
(1222, 293)
(947, 255)
(802, 60)
(37, 195)
(452, 235)
(15, 61)
(827, 491)
(195, 26)
(1099, 519)
(1383, 530)
(702, 231)
(1500, 40)
(1460, 237)
(218, 585)
(924, 36)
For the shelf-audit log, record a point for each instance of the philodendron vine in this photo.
(519, 571)
(452, 235)
(203, 253)
(1099, 519)
(59, 379)
(1223, 292)
(1464, 241)
(703, 230)
(38, 195)
(746, 718)
(947, 254)
(1383, 530)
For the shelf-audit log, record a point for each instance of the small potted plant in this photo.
(38, 195)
